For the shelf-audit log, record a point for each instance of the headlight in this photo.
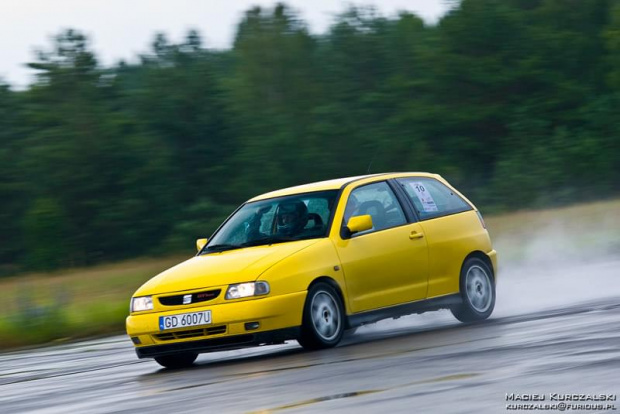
(142, 303)
(244, 290)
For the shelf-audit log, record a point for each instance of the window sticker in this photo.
(428, 204)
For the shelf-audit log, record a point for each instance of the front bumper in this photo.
(220, 344)
(274, 314)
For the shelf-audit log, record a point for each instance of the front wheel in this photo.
(177, 361)
(323, 318)
(477, 292)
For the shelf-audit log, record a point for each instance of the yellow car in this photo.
(309, 262)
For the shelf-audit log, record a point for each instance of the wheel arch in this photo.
(482, 256)
(333, 283)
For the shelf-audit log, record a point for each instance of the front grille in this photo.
(191, 333)
(196, 297)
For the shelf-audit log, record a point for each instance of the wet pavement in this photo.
(553, 332)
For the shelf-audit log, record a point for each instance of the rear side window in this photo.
(431, 198)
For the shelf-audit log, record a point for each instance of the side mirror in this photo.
(200, 243)
(359, 223)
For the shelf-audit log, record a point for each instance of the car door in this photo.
(388, 264)
(451, 227)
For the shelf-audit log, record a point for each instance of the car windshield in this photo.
(276, 220)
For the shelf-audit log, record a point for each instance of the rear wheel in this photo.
(477, 292)
(323, 319)
(177, 361)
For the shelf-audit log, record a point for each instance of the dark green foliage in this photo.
(515, 101)
(45, 223)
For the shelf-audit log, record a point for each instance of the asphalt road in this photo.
(554, 331)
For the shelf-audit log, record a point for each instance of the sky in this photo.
(123, 29)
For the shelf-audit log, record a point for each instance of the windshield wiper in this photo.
(263, 240)
(221, 247)
(268, 240)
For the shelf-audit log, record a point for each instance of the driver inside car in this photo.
(291, 218)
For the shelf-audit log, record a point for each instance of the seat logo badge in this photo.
(187, 299)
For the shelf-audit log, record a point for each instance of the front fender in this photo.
(296, 272)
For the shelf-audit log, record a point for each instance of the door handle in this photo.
(415, 235)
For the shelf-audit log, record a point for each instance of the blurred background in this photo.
(515, 102)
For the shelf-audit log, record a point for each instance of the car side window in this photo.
(431, 198)
(378, 201)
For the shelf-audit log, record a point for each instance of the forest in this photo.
(515, 102)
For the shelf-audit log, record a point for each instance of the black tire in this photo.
(177, 361)
(477, 286)
(323, 318)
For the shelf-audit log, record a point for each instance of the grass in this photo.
(576, 233)
(66, 305)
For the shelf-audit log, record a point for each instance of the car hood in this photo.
(217, 269)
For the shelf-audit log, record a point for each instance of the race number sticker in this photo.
(428, 204)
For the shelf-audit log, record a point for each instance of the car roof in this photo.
(334, 184)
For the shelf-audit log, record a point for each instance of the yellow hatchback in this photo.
(309, 262)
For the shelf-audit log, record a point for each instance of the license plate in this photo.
(183, 320)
